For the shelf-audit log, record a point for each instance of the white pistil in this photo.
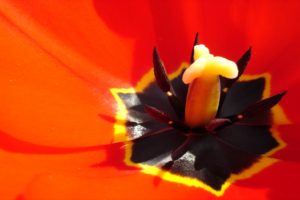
(204, 85)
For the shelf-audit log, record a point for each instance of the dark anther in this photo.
(263, 105)
(227, 83)
(152, 133)
(165, 118)
(217, 123)
(162, 79)
(258, 108)
(195, 43)
(242, 64)
(164, 84)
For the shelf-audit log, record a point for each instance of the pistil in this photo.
(204, 85)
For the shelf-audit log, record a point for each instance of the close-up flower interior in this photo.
(149, 99)
(235, 129)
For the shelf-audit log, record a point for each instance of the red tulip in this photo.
(60, 58)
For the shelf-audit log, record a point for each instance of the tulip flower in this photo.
(60, 60)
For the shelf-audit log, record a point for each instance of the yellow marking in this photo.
(280, 117)
(121, 135)
(276, 135)
(119, 127)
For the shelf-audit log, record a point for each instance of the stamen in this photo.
(195, 43)
(165, 118)
(216, 123)
(160, 73)
(164, 84)
(261, 106)
(227, 83)
(241, 64)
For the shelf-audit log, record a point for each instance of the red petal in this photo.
(290, 102)
(50, 95)
(19, 170)
(291, 138)
(280, 181)
(108, 183)
(73, 33)
(59, 59)
(111, 184)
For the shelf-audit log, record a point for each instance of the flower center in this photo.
(205, 123)
(204, 86)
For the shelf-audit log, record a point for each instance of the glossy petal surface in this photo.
(59, 59)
